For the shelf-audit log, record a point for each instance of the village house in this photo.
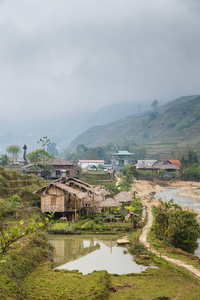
(18, 161)
(145, 164)
(70, 196)
(122, 158)
(169, 165)
(60, 168)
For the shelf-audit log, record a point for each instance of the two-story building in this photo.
(122, 158)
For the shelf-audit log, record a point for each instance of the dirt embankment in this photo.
(188, 188)
(146, 189)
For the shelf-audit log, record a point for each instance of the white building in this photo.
(84, 164)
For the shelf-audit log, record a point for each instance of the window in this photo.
(53, 200)
(57, 172)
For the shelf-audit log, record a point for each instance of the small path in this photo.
(143, 240)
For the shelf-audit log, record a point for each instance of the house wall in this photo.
(57, 172)
(54, 200)
(121, 160)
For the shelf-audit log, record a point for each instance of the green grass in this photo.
(45, 283)
(154, 283)
(166, 249)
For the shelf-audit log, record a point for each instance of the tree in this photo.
(13, 150)
(162, 172)
(4, 160)
(177, 226)
(140, 152)
(183, 230)
(44, 141)
(41, 160)
(154, 104)
(24, 155)
(38, 156)
(192, 172)
(8, 238)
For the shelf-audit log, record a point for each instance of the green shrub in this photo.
(16, 199)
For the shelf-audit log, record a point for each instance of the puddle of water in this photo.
(89, 253)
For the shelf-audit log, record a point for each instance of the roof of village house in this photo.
(164, 164)
(67, 181)
(123, 197)
(145, 164)
(91, 161)
(53, 162)
(80, 184)
(62, 187)
(175, 162)
(78, 181)
(122, 152)
(59, 162)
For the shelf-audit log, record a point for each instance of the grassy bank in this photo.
(16, 264)
(45, 283)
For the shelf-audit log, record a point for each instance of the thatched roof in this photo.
(74, 181)
(62, 187)
(123, 197)
(59, 162)
(110, 202)
(82, 185)
(164, 164)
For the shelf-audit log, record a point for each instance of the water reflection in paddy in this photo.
(89, 253)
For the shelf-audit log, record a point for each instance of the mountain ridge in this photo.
(178, 120)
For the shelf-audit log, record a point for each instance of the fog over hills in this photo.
(64, 128)
(173, 125)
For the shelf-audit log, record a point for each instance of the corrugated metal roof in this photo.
(145, 164)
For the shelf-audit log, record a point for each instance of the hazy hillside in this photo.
(62, 129)
(174, 124)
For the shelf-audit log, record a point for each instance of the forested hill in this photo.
(174, 124)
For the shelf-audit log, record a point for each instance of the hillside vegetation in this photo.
(170, 127)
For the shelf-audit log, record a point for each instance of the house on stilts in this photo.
(70, 196)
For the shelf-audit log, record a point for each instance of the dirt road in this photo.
(143, 240)
(143, 189)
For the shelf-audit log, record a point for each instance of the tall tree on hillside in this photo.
(189, 159)
(154, 104)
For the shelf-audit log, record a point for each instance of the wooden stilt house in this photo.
(57, 197)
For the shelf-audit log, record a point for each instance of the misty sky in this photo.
(60, 56)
